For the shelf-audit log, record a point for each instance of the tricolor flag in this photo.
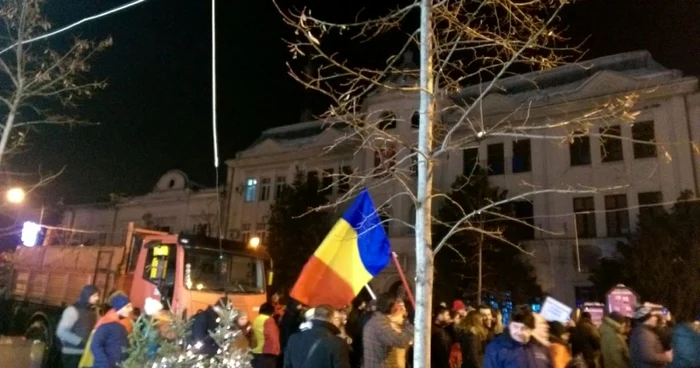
(354, 251)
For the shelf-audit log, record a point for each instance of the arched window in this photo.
(415, 120)
(387, 120)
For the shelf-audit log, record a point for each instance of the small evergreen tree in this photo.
(156, 347)
(295, 230)
(661, 260)
(493, 234)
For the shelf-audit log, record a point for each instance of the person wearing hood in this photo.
(75, 325)
(319, 346)
(110, 337)
(517, 347)
(613, 343)
(646, 349)
(203, 322)
(559, 345)
(686, 344)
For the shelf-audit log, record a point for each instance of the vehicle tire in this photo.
(39, 329)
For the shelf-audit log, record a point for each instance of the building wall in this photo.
(174, 209)
(562, 256)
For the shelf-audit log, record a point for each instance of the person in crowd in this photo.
(397, 356)
(497, 322)
(110, 339)
(613, 342)
(319, 346)
(355, 331)
(559, 345)
(379, 337)
(460, 308)
(267, 338)
(472, 339)
(664, 329)
(275, 300)
(455, 350)
(289, 324)
(245, 338)
(202, 323)
(585, 340)
(517, 348)
(685, 343)
(358, 342)
(646, 349)
(75, 325)
(441, 341)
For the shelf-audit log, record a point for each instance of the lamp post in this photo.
(254, 243)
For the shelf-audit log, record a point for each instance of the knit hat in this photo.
(119, 302)
(642, 313)
(458, 305)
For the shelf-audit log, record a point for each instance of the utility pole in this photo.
(424, 251)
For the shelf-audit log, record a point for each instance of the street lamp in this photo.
(16, 195)
(254, 243)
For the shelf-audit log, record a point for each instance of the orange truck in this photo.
(186, 272)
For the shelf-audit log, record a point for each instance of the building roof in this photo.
(568, 78)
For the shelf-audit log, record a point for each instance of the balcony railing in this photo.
(497, 166)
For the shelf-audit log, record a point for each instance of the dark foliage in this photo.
(661, 260)
(505, 268)
(295, 233)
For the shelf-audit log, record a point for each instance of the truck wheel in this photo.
(39, 329)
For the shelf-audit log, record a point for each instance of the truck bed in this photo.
(55, 275)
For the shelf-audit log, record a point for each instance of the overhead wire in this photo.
(73, 25)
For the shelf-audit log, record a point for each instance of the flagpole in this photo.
(403, 279)
(371, 293)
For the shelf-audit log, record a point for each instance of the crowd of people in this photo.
(379, 334)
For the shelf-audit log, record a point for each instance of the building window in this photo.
(201, 229)
(265, 184)
(415, 120)
(525, 212)
(385, 217)
(344, 180)
(280, 183)
(522, 157)
(495, 158)
(387, 121)
(413, 165)
(384, 160)
(250, 186)
(584, 207)
(617, 216)
(611, 144)
(580, 151)
(312, 177)
(470, 158)
(644, 132)
(261, 231)
(327, 182)
(649, 203)
(245, 233)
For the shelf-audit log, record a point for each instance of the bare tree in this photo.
(37, 82)
(460, 42)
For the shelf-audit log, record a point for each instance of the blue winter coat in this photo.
(108, 345)
(686, 347)
(504, 352)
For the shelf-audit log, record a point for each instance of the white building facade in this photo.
(579, 228)
(176, 204)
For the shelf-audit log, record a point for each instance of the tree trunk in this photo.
(424, 251)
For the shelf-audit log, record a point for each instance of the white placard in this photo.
(554, 310)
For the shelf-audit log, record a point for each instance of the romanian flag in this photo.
(354, 251)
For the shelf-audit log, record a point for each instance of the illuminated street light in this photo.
(16, 195)
(254, 242)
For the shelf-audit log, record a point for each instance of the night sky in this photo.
(155, 113)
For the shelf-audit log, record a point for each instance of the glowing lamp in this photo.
(30, 233)
(254, 242)
(15, 195)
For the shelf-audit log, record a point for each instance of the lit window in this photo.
(250, 186)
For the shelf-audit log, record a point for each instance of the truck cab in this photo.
(190, 272)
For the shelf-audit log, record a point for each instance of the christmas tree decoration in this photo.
(162, 341)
